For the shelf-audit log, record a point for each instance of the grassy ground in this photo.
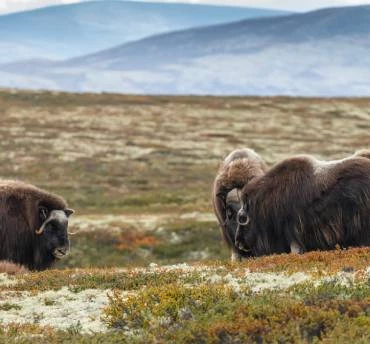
(138, 171)
(316, 297)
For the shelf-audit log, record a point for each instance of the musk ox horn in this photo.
(69, 212)
(40, 230)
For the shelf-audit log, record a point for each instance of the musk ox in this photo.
(298, 205)
(241, 164)
(33, 225)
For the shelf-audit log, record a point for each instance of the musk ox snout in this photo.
(61, 252)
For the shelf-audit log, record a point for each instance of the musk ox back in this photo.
(303, 204)
(33, 225)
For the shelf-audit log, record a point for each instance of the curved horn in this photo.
(40, 230)
(69, 212)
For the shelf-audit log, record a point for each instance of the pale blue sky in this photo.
(7, 6)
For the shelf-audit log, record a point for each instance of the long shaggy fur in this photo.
(303, 204)
(19, 219)
(238, 168)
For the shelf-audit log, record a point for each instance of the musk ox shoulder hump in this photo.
(21, 190)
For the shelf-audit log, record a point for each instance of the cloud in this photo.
(7, 6)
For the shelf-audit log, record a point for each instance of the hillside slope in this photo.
(60, 32)
(320, 53)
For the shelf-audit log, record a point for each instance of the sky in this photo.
(8, 6)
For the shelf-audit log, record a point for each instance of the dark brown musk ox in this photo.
(33, 225)
(237, 168)
(298, 205)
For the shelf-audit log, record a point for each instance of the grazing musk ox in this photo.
(298, 205)
(239, 167)
(33, 225)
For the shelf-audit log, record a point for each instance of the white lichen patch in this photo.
(60, 309)
(261, 281)
(258, 281)
(6, 280)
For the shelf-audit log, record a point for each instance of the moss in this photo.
(31, 333)
(318, 263)
(78, 280)
(8, 306)
(217, 314)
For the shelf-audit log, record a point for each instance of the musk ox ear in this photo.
(69, 212)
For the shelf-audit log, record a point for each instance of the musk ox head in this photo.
(33, 226)
(238, 169)
(53, 231)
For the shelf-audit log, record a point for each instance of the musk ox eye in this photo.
(43, 214)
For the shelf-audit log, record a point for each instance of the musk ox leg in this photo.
(295, 248)
(236, 257)
(12, 268)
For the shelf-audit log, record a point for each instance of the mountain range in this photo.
(319, 53)
(65, 31)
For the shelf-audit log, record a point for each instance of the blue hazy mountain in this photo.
(319, 53)
(64, 31)
(247, 36)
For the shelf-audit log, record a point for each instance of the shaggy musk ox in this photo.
(298, 205)
(239, 167)
(33, 225)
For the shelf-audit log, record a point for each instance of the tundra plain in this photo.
(147, 261)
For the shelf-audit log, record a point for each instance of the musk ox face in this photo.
(245, 236)
(53, 231)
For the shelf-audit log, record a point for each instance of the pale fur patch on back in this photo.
(322, 166)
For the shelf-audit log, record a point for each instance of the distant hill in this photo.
(324, 52)
(65, 31)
